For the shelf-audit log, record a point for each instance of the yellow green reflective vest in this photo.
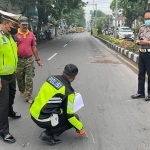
(55, 92)
(8, 55)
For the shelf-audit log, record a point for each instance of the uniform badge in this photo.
(3, 40)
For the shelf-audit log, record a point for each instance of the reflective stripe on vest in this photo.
(46, 92)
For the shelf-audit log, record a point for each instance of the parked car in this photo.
(125, 33)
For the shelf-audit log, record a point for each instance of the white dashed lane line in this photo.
(65, 45)
(52, 56)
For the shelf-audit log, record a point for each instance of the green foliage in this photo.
(133, 47)
(137, 29)
(99, 30)
(131, 10)
(77, 17)
(100, 14)
(55, 8)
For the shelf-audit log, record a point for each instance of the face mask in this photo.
(13, 31)
(147, 22)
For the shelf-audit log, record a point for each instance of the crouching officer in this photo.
(143, 40)
(52, 109)
(8, 63)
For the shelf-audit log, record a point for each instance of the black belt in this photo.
(25, 57)
(144, 50)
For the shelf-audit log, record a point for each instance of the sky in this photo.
(102, 5)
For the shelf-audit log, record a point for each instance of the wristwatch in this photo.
(37, 60)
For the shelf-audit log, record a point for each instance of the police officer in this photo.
(8, 63)
(52, 109)
(143, 40)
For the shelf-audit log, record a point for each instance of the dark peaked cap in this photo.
(11, 17)
(71, 70)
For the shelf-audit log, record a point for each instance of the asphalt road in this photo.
(111, 118)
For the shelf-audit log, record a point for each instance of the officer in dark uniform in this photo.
(8, 63)
(52, 109)
(143, 40)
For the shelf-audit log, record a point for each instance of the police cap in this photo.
(11, 17)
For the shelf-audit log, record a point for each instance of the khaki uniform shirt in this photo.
(144, 33)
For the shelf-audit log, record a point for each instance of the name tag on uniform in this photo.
(54, 82)
(3, 41)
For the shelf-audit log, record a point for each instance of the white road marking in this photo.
(52, 56)
(74, 37)
(92, 137)
(65, 45)
(70, 40)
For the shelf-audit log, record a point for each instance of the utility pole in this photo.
(116, 17)
(93, 13)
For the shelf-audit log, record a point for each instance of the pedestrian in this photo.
(9, 58)
(25, 68)
(143, 40)
(52, 109)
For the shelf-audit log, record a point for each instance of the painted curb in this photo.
(134, 57)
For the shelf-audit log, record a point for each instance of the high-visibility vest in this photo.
(8, 55)
(52, 87)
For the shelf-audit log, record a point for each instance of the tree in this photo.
(77, 17)
(131, 9)
(55, 8)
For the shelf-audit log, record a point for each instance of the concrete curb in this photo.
(134, 57)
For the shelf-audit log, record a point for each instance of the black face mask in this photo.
(13, 31)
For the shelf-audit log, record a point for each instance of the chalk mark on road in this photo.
(92, 137)
(52, 56)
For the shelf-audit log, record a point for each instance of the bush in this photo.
(99, 30)
(131, 46)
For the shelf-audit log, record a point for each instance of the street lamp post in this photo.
(94, 17)
(116, 17)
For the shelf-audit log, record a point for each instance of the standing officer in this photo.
(143, 40)
(52, 109)
(25, 68)
(8, 58)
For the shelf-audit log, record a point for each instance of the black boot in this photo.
(49, 138)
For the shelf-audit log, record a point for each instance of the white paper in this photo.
(78, 102)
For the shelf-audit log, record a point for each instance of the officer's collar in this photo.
(66, 79)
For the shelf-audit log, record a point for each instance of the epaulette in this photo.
(142, 25)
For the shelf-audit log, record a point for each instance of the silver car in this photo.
(125, 33)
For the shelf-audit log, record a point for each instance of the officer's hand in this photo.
(83, 132)
(0, 85)
(144, 42)
(40, 63)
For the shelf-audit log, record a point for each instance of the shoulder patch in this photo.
(54, 82)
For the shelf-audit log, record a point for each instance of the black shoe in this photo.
(8, 138)
(15, 115)
(138, 96)
(147, 98)
(50, 139)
